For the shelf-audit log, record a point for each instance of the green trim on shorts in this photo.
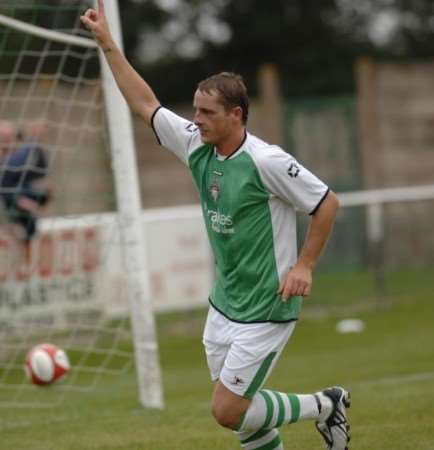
(260, 376)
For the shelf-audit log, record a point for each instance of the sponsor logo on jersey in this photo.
(221, 223)
(293, 170)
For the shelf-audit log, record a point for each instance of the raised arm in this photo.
(138, 94)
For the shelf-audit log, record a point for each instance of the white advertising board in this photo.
(75, 271)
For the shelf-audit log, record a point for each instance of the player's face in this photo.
(215, 122)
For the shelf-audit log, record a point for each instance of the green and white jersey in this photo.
(249, 202)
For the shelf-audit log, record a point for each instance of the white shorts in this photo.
(242, 355)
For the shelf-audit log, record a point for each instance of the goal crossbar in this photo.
(51, 35)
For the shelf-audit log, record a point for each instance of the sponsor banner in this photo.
(56, 283)
(74, 269)
(178, 256)
(180, 262)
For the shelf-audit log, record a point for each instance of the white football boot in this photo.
(335, 429)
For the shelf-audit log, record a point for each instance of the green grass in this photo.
(389, 368)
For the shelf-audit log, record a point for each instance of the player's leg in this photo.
(240, 404)
(271, 409)
(252, 353)
(268, 409)
(228, 407)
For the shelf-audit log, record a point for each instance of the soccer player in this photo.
(249, 192)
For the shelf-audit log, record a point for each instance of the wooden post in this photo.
(270, 104)
(368, 123)
(370, 147)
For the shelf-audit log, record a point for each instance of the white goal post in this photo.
(131, 231)
(129, 209)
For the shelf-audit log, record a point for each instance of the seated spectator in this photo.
(23, 166)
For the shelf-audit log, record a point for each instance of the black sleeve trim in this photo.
(152, 123)
(319, 203)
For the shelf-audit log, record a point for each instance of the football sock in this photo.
(271, 409)
(260, 440)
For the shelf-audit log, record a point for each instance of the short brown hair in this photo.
(231, 88)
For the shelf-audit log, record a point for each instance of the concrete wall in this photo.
(396, 123)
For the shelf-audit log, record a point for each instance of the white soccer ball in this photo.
(46, 364)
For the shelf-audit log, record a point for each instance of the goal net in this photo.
(65, 219)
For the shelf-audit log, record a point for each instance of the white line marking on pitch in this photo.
(421, 376)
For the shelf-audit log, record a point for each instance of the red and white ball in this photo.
(46, 364)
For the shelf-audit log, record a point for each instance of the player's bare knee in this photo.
(225, 417)
(228, 414)
(228, 407)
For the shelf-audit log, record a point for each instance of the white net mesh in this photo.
(51, 283)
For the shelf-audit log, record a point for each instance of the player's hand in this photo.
(96, 22)
(298, 281)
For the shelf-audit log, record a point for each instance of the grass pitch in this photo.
(389, 369)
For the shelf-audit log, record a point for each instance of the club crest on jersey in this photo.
(214, 191)
(293, 170)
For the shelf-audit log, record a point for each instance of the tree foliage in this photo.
(176, 43)
(297, 36)
(314, 44)
(392, 28)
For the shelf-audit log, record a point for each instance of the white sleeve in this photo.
(288, 180)
(177, 134)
